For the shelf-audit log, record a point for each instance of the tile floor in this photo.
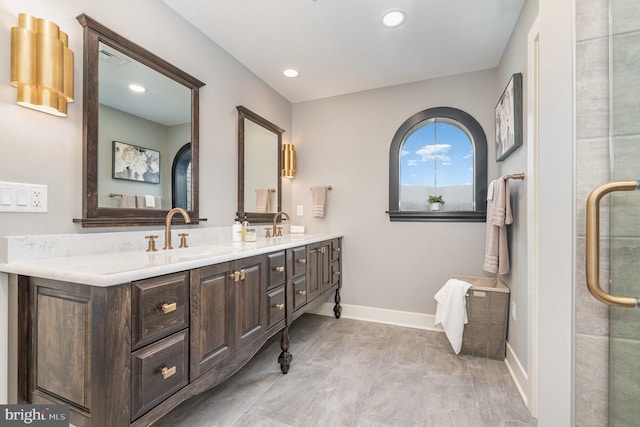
(353, 373)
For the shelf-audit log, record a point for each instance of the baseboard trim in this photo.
(420, 321)
(518, 373)
(382, 315)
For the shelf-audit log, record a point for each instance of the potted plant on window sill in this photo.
(435, 203)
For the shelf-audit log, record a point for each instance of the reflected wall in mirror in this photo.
(161, 117)
(259, 165)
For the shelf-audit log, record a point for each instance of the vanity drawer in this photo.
(277, 272)
(159, 307)
(335, 250)
(276, 305)
(299, 261)
(299, 292)
(158, 371)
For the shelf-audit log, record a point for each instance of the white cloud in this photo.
(404, 152)
(412, 163)
(435, 151)
(468, 156)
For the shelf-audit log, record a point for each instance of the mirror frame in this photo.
(245, 113)
(94, 215)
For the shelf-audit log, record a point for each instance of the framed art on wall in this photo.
(508, 118)
(135, 163)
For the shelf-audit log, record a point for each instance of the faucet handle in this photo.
(267, 232)
(279, 232)
(183, 239)
(152, 243)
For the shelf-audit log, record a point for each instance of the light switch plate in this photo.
(18, 197)
(300, 210)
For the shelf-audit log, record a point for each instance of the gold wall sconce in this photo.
(41, 65)
(288, 161)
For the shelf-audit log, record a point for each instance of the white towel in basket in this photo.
(451, 310)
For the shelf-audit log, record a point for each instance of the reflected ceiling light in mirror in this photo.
(393, 18)
(288, 161)
(137, 88)
(41, 65)
(290, 72)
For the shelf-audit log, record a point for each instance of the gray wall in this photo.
(344, 142)
(513, 61)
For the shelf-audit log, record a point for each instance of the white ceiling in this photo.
(339, 46)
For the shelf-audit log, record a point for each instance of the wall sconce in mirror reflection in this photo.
(288, 161)
(41, 65)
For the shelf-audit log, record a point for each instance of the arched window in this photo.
(181, 178)
(438, 152)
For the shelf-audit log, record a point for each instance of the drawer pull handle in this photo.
(337, 273)
(302, 261)
(337, 249)
(168, 372)
(168, 308)
(279, 306)
(302, 293)
(279, 269)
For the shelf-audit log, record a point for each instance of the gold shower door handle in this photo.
(593, 243)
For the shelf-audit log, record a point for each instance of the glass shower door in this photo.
(624, 357)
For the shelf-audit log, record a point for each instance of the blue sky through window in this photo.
(438, 154)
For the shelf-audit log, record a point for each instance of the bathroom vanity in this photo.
(126, 336)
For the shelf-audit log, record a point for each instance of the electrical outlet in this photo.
(513, 311)
(300, 210)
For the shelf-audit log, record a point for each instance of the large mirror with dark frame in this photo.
(259, 167)
(140, 133)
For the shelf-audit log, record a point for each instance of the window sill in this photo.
(443, 216)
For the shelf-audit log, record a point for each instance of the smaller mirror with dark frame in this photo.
(259, 167)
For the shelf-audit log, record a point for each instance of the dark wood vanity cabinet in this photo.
(126, 355)
(227, 310)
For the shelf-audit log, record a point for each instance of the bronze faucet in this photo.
(167, 228)
(275, 218)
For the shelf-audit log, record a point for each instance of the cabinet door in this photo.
(211, 314)
(249, 294)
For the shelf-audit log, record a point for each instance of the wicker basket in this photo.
(487, 310)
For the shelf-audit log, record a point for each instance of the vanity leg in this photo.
(337, 309)
(285, 357)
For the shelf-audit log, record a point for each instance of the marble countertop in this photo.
(109, 268)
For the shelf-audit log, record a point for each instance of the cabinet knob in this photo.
(168, 372)
(337, 249)
(337, 273)
(168, 308)
(302, 292)
(302, 261)
(279, 306)
(279, 269)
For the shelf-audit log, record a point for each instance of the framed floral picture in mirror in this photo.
(135, 163)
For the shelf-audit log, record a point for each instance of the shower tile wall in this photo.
(624, 387)
(592, 169)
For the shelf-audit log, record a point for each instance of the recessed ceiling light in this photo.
(393, 18)
(290, 72)
(137, 88)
